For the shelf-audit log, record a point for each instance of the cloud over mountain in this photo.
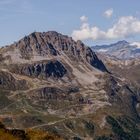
(126, 26)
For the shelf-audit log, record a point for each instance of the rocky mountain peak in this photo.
(50, 45)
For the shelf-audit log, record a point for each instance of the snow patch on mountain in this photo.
(103, 50)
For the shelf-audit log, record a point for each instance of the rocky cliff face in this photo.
(42, 69)
(48, 81)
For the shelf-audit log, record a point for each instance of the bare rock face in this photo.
(45, 69)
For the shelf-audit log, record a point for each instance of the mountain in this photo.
(122, 50)
(52, 83)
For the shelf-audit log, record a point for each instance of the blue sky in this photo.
(102, 21)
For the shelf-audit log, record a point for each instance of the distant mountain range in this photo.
(121, 50)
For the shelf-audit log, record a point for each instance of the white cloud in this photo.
(136, 44)
(125, 27)
(108, 13)
(84, 18)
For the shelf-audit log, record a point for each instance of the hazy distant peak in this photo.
(121, 49)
